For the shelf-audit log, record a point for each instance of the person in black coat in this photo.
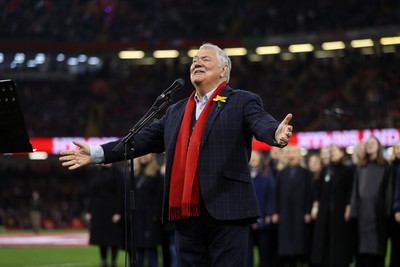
(260, 234)
(395, 220)
(333, 242)
(148, 199)
(105, 211)
(294, 197)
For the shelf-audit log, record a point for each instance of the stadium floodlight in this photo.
(131, 54)
(166, 53)
(333, 45)
(60, 57)
(360, 43)
(94, 61)
(192, 52)
(82, 58)
(268, 50)
(40, 58)
(236, 51)
(300, 48)
(390, 40)
(19, 58)
(73, 61)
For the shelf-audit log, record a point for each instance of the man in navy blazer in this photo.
(214, 231)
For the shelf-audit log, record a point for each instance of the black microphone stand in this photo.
(161, 102)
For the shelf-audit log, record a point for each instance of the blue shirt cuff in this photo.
(96, 154)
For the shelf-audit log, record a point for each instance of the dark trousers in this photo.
(369, 260)
(152, 257)
(395, 241)
(395, 254)
(292, 261)
(265, 243)
(206, 242)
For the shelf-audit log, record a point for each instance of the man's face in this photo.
(293, 156)
(205, 68)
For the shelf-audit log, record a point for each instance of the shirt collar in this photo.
(205, 98)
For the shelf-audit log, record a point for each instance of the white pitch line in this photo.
(61, 265)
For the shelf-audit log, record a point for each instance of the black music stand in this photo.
(13, 134)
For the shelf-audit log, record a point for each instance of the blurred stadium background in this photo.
(93, 68)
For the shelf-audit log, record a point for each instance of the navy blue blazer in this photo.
(224, 176)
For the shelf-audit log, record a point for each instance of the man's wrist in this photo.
(276, 143)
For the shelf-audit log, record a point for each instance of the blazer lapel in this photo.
(214, 113)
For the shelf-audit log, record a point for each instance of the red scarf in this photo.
(184, 187)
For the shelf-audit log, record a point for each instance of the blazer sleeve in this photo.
(261, 123)
(149, 140)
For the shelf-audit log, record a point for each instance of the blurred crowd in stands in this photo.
(343, 92)
(124, 20)
(353, 92)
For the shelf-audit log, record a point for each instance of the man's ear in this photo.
(223, 72)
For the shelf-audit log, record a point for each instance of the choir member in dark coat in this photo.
(395, 220)
(148, 199)
(260, 234)
(294, 195)
(333, 238)
(106, 208)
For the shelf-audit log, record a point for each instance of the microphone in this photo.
(162, 100)
(176, 85)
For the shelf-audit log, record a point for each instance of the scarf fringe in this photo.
(184, 212)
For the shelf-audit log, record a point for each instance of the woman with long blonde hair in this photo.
(371, 204)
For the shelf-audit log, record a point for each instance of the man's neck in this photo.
(203, 89)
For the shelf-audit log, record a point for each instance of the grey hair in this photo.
(222, 57)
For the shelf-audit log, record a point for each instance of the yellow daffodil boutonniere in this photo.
(220, 100)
